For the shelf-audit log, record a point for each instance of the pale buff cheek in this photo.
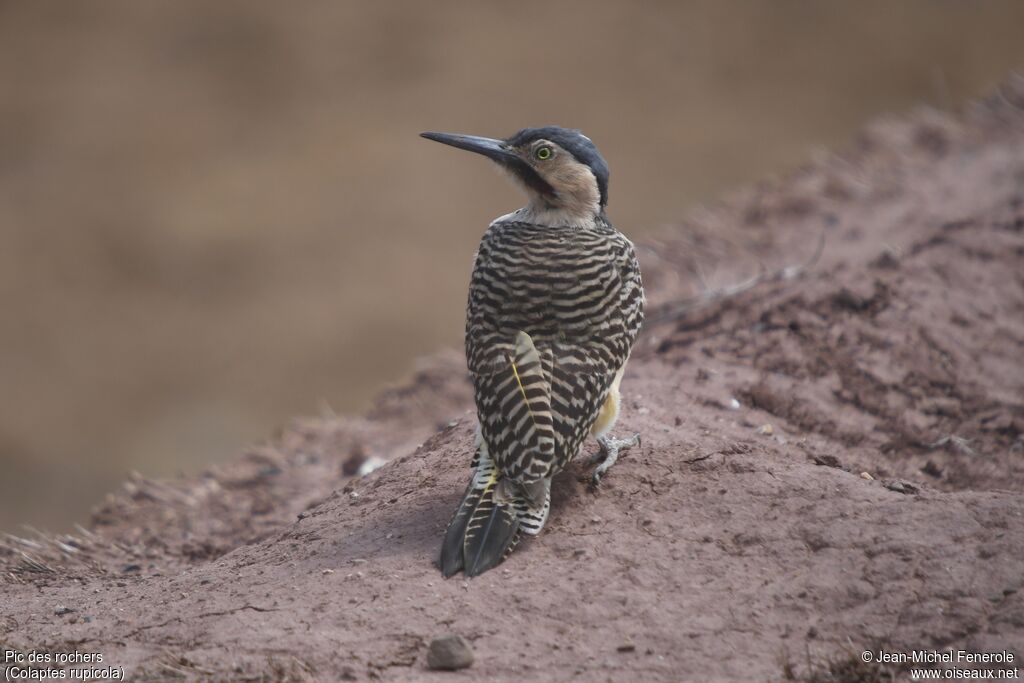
(577, 187)
(578, 196)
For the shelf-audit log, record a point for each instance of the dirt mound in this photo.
(831, 462)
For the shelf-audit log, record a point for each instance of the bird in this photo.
(555, 305)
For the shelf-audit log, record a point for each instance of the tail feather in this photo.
(492, 532)
(451, 548)
(483, 531)
(533, 516)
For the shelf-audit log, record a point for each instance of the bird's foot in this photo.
(609, 454)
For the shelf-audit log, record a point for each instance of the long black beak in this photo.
(489, 147)
(498, 151)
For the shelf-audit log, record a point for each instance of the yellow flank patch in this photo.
(609, 411)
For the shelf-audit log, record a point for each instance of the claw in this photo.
(598, 457)
(609, 454)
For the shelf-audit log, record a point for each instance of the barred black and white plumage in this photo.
(555, 306)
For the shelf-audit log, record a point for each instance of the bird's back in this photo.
(576, 292)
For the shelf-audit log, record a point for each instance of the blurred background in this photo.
(218, 215)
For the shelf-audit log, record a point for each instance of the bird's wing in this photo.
(513, 390)
(585, 369)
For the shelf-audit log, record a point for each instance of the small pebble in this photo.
(449, 653)
(901, 487)
(865, 475)
(765, 429)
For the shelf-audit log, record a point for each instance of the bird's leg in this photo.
(609, 454)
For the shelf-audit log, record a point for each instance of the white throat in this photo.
(549, 217)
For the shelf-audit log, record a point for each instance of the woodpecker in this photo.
(555, 306)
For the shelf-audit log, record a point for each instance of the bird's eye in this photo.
(543, 153)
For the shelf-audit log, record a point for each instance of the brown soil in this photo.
(737, 541)
(217, 215)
